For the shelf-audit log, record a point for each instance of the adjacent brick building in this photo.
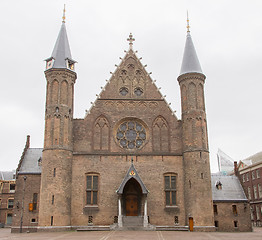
(7, 193)
(230, 204)
(250, 174)
(130, 160)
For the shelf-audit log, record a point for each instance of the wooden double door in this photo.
(131, 205)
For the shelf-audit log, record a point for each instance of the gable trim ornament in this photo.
(132, 173)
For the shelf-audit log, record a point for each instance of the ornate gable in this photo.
(130, 81)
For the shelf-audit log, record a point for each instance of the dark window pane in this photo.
(88, 182)
(167, 182)
(167, 198)
(173, 182)
(173, 198)
(95, 182)
(35, 197)
(88, 197)
(94, 197)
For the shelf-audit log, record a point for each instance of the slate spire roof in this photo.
(190, 63)
(61, 52)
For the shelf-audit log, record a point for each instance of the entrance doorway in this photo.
(191, 224)
(132, 198)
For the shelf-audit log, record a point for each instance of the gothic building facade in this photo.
(129, 161)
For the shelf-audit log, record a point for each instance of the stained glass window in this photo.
(131, 134)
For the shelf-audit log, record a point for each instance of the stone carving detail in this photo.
(160, 135)
(131, 105)
(131, 77)
(101, 134)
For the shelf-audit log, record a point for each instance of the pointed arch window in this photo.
(160, 135)
(101, 134)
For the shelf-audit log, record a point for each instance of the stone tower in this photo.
(55, 191)
(197, 183)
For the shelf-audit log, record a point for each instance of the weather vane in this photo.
(130, 40)
(187, 23)
(64, 14)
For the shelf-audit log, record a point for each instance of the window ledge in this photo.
(91, 206)
(172, 207)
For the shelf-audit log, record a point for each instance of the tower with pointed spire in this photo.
(197, 183)
(58, 146)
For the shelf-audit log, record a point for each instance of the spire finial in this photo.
(64, 15)
(187, 22)
(130, 40)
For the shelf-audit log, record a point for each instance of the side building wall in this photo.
(232, 216)
(7, 192)
(26, 203)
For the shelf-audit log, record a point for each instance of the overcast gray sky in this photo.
(227, 36)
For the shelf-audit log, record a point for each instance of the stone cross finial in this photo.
(64, 15)
(130, 40)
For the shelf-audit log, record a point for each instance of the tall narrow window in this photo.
(253, 175)
(258, 173)
(259, 190)
(10, 203)
(91, 189)
(54, 173)
(257, 211)
(243, 177)
(215, 209)
(234, 208)
(170, 189)
(34, 201)
(53, 199)
(249, 193)
(247, 177)
(255, 192)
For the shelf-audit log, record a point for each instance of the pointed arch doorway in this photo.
(132, 196)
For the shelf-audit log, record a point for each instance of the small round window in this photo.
(138, 91)
(123, 91)
(131, 134)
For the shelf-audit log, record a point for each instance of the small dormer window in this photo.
(70, 64)
(219, 185)
(49, 63)
(39, 161)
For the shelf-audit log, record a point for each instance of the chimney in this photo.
(235, 168)
(27, 145)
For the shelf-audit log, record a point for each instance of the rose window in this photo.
(131, 134)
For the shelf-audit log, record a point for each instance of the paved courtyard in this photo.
(131, 235)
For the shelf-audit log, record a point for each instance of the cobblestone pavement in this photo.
(131, 235)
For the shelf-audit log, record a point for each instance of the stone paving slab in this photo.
(5, 234)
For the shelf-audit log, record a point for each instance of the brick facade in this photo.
(229, 218)
(7, 193)
(86, 160)
(251, 180)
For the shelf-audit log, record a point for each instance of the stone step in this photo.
(131, 221)
(171, 228)
(93, 228)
